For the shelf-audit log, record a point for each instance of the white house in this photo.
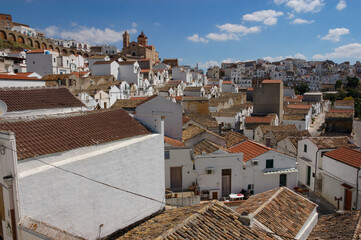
(130, 72)
(102, 98)
(80, 180)
(21, 80)
(266, 168)
(180, 74)
(341, 178)
(310, 158)
(87, 100)
(42, 61)
(171, 111)
(106, 68)
(114, 95)
(94, 59)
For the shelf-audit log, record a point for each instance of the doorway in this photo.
(226, 182)
(348, 199)
(283, 180)
(176, 178)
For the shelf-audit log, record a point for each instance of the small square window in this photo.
(305, 148)
(166, 154)
(269, 163)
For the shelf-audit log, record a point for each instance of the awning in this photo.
(280, 171)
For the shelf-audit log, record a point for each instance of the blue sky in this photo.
(205, 31)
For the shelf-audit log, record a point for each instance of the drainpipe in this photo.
(357, 179)
(316, 167)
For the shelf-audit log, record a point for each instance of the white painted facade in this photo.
(170, 110)
(111, 68)
(255, 174)
(130, 73)
(179, 74)
(21, 83)
(114, 95)
(29, 114)
(300, 124)
(336, 173)
(88, 100)
(42, 62)
(102, 99)
(307, 160)
(216, 162)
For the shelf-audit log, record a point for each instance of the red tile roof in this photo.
(249, 149)
(38, 51)
(18, 77)
(173, 142)
(103, 62)
(38, 98)
(52, 135)
(299, 106)
(271, 81)
(258, 119)
(79, 74)
(346, 155)
(227, 82)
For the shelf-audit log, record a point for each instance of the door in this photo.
(283, 180)
(348, 199)
(308, 179)
(226, 182)
(215, 195)
(2, 212)
(176, 178)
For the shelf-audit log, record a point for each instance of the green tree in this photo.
(353, 82)
(338, 84)
(302, 88)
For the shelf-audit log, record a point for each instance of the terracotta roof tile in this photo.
(250, 149)
(173, 142)
(280, 135)
(299, 106)
(344, 103)
(58, 134)
(38, 98)
(343, 226)
(57, 76)
(191, 132)
(18, 77)
(203, 119)
(281, 128)
(346, 155)
(206, 147)
(331, 142)
(233, 138)
(271, 81)
(258, 120)
(281, 210)
(213, 220)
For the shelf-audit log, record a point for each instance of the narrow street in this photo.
(315, 127)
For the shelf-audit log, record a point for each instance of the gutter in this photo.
(316, 167)
(357, 179)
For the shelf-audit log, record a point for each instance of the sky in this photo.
(207, 32)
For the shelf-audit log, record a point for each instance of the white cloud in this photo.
(196, 38)
(51, 31)
(302, 5)
(134, 25)
(157, 24)
(335, 34)
(238, 28)
(352, 50)
(208, 64)
(268, 17)
(341, 5)
(279, 58)
(301, 21)
(290, 15)
(85, 34)
(132, 31)
(230, 60)
(222, 36)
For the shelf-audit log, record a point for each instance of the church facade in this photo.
(140, 49)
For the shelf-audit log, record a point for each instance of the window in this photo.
(305, 148)
(322, 153)
(166, 155)
(269, 163)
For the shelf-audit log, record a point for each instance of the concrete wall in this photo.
(129, 73)
(106, 69)
(21, 83)
(79, 205)
(42, 112)
(164, 107)
(300, 124)
(40, 63)
(268, 99)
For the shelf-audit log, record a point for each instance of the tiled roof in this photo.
(56, 76)
(203, 119)
(258, 120)
(39, 98)
(346, 155)
(206, 147)
(295, 117)
(331, 142)
(281, 128)
(58, 134)
(17, 77)
(131, 103)
(213, 220)
(249, 149)
(102, 62)
(342, 226)
(233, 138)
(271, 81)
(190, 98)
(289, 99)
(281, 210)
(173, 142)
(339, 114)
(191, 131)
(224, 114)
(280, 135)
(344, 103)
(97, 57)
(127, 63)
(299, 106)
(193, 89)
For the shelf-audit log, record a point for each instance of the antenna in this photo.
(3, 108)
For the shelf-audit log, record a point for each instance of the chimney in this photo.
(247, 219)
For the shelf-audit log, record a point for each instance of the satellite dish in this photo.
(3, 108)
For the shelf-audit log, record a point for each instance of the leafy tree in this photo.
(338, 84)
(353, 82)
(302, 88)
